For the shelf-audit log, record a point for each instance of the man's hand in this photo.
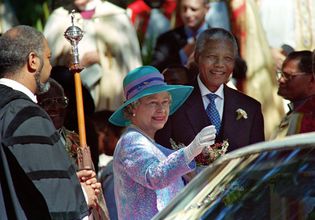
(91, 197)
(89, 178)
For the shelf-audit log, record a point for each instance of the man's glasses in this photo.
(288, 77)
(55, 102)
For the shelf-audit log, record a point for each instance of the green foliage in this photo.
(32, 12)
(36, 12)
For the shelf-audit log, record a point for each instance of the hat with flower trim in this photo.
(144, 81)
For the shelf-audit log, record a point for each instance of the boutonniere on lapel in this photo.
(241, 113)
(209, 154)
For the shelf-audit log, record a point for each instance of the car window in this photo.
(272, 181)
(269, 184)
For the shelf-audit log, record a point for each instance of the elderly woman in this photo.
(147, 175)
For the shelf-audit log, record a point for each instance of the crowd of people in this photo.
(161, 102)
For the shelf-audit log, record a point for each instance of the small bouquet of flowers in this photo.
(209, 154)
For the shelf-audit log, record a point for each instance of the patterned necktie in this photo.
(213, 113)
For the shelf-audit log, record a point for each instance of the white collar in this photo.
(205, 91)
(19, 87)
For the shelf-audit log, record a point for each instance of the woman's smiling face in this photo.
(152, 112)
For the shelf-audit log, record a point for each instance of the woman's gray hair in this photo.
(16, 44)
(215, 34)
(128, 110)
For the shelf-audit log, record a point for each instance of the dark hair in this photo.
(215, 34)
(305, 60)
(240, 68)
(16, 44)
(100, 120)
(183, 73)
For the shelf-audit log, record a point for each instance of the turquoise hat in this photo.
(144, 81)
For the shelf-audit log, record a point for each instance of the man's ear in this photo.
(32, 62)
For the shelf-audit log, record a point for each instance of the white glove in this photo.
(203, 139)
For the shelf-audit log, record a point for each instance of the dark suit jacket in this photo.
(167, 48)
(191, 117)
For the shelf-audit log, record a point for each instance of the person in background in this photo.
(65, 78)
(178, 74)
(294, 30)
(176, 46)
(237, 117)
(108, 135)
(7, 16)
(147, 175)
(297, 84)
(151, 18)
(28, 135)
(218, 14)
(108, 49)
(54, 102)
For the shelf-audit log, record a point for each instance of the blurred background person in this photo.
(176, 46)
(297, 84)
(293, 30)
(108, 49)
(178, 74)
(65, 78)
(108, 135)
(151, 18)
(54, 102)
(218, 14)
(7, 16)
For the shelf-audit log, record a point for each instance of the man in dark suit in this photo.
(239, 118)
(175, 46)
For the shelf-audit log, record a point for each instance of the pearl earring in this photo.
(134, 114)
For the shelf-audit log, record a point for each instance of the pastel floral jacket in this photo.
(146, 175)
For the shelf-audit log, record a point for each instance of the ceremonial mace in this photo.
(74, 34)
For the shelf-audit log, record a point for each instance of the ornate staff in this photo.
(74, 34)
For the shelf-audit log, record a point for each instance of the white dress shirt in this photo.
(219, 101)
(19, 87)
